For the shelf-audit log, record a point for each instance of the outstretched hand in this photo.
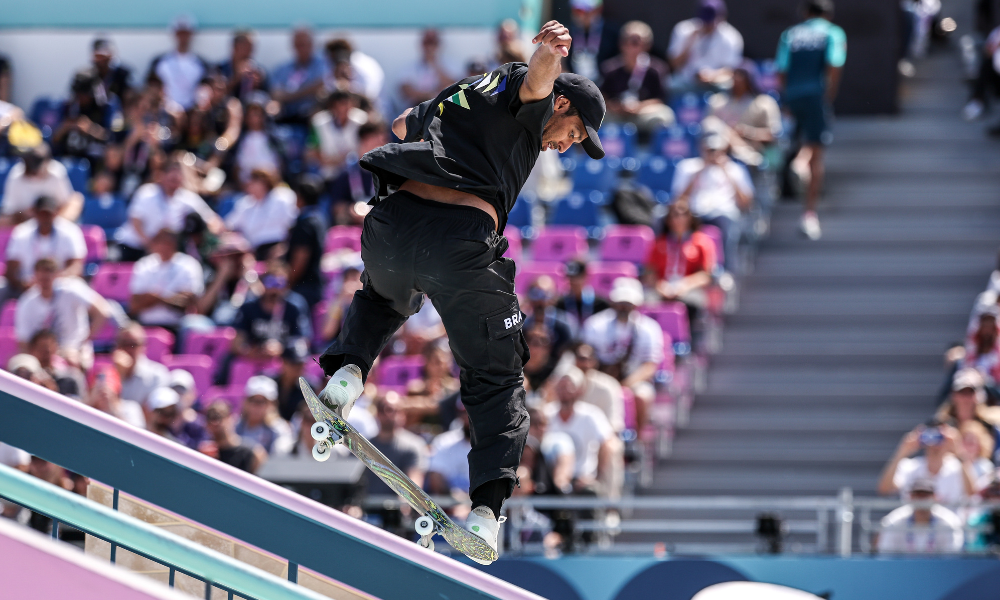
(554, 36)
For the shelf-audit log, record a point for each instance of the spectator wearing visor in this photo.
(943, 461)
(922, 526)
(34, 176)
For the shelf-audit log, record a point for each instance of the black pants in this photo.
(410, 247)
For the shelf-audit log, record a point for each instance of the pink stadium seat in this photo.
(319, 319)
(8, 345)
(513, 235)
(716, 234)
(159, 343)
(529, 272)
(107, 333)
(627, 242)
(242, 369)
(100, 361)
(343, 236)
(97, 243)
(230, 394)
(673, 319)
(397, 372)
(111, 281)
(628, 399)
(602, 275)
(4, 238)
(198, 365)
(7, 316)
(314, 372)
(560, 243)
(215, 344)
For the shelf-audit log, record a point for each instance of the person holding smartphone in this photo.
(944, 461)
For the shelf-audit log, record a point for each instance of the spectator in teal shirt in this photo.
(810, 58)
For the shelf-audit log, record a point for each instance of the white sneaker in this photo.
(810, 226)
(482, 523)
(973, 110)
(343, 390)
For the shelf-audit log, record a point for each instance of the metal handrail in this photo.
(147, 540)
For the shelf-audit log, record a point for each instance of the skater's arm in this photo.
(546, 63)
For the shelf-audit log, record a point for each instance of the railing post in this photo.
(822, 530)
(55, 529)
(293, 572)
(114, 505)
(845, 516)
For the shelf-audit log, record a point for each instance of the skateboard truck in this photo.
(425, 529)
(326, 437)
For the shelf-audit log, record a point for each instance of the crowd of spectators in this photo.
(236, 253)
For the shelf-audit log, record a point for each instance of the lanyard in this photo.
(910, 537)
(638, 73)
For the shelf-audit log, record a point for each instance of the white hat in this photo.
(162, 397)
(179, 378)
(184, 22)
(627, 289)
(575, 375)
(24, 361)
(262, 385)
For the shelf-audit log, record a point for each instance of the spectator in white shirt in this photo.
(139, 375)
(265, 214)
(180, 70)
(628, 344)
(165, 283)
(426, 77)
(45, 236)
(592, 435)
(365, 74)
(335, 134)
(601, 389)
(922, 527)
(944, 462)
(717, 189)
(105, 396)
(162, 205)
(704, 50)
(257, 147)
(67, 306)
(38, 175)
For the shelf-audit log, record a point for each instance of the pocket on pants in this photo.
(505, 342)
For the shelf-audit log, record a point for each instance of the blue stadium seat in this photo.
(689, 108)
(6, 164)
(107, 212)
(521, 215)
(46, 113)
(582, 209)
(619, 140)
(78, 170)
(674, 142)
(657, 173)
(589, 174)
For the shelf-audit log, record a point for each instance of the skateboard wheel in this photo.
(320, 431)
(321, 452)
(424, 526)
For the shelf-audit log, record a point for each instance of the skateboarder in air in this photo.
(441, 203)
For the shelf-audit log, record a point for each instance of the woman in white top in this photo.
(265, 214)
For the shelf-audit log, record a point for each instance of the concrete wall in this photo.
(873, 31)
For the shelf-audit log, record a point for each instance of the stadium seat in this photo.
(582, 209)
(230, 394)
(4, 238)
(214, 344)
(396, 372)
(513, 235)
(97, 243)
(159, 343)
(602, 275)
(199, 366)
(101, 361)
(657, 173)
(108, 212)
(46, 113)
(112, 281)
(343, 236)
(529, 272)
(7, 315)
(627, 242)
(673, 142)
(242, 369)
(673, 320)
(78, 170)
(689, 108)
(8, 345)
(720, 248)
(589, 174)
(522, 216)
(560, 244)
(619, 140)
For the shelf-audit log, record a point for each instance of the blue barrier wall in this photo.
(620, 578)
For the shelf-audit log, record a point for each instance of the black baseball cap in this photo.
(587, 98)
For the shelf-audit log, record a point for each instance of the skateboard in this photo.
(330, 429)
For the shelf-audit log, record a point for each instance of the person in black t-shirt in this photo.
(581, 302)
(305, 241)
(226, 444)
(441, 198)
(266, 326)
